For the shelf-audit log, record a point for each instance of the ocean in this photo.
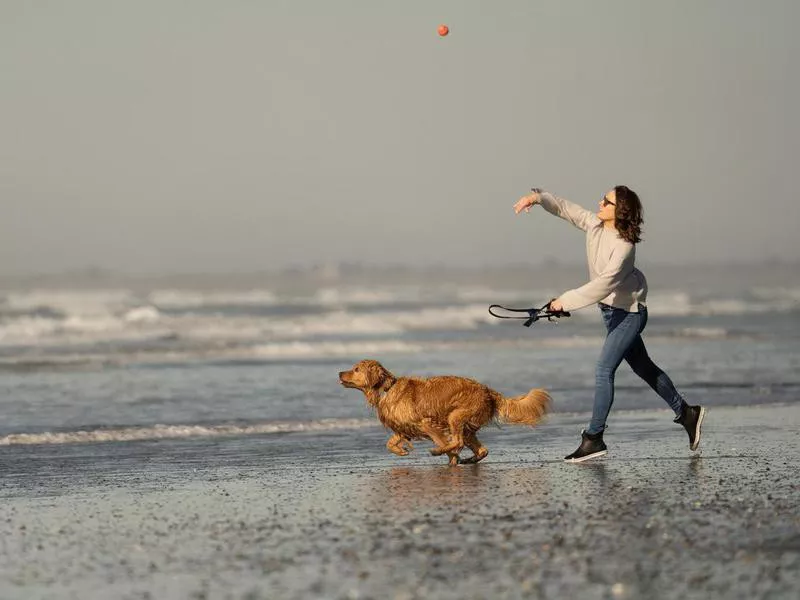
(94, 357)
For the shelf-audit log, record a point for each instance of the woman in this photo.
(620, 290)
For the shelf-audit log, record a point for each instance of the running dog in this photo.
(447, 410)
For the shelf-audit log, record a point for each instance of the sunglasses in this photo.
(605, 202)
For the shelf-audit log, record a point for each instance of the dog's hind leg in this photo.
(479, 451)
(399, 445)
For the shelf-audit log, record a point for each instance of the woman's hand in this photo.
(556, 306)
(526, 202)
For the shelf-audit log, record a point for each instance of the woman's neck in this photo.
(610, 225)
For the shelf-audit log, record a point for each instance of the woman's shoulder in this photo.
(595, 225)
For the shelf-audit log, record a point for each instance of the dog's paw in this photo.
(482, 453)
(436, 451)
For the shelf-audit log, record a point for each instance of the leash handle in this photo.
(554, 313)
(533, 314)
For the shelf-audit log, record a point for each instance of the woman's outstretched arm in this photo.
(569, 211)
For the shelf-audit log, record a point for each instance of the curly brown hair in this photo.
(628, 214)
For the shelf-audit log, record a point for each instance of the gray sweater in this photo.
(613, 279)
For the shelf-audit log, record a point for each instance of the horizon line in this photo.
(344, 267)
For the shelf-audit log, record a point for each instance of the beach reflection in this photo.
(695, 469)
(595, 474)
(463, 487)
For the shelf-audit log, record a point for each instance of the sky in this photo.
(163, 136)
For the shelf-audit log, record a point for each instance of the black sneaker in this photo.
(692, 418)
(592, 446)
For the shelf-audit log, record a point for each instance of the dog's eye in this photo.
(356, 369)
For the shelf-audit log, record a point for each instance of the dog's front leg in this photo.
(399, 445)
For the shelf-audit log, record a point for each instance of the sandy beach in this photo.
(272, 517)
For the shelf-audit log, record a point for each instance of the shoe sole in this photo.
(697, 429)
(587, 457)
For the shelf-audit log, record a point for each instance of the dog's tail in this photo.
(527, 409)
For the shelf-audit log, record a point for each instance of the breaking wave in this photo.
(117, 325)
(158, 432)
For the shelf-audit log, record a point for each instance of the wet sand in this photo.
(336, 516)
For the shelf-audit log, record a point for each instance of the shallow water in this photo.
(264, 352)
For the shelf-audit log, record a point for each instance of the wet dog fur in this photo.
(447, 410)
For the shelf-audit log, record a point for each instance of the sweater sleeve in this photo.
(569, 211)
(619, 266)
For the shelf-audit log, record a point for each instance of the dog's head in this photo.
(367, 375)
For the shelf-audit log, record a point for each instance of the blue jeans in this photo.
(624, 341)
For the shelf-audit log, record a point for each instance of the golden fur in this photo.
(448, 410)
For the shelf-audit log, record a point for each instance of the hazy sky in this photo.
(242, 134)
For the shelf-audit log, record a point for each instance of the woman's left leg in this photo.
(644, 367)
(691, 417)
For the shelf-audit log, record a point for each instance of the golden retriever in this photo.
(447, 410)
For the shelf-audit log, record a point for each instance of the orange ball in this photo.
(443, 30)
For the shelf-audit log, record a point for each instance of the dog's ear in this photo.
(374, 373)
(387, 380)
(378, 378)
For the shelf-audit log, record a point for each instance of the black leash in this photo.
(534, 314)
